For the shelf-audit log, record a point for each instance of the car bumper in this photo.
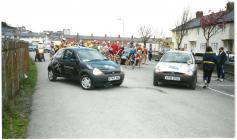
(183, 79)
(102, 80)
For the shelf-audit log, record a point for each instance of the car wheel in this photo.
(51, 75)
(155, 83)
(86, 82)
(193, 85)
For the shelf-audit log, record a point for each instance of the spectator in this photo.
(220, 64)
(150, 53)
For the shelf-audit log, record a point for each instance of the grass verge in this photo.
(15, 120)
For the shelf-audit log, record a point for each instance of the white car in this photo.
(176, 67)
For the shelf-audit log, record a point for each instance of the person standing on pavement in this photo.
(209, 61)
(150, 53)
(220, 64)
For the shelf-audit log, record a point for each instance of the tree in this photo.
(229, 7)
(145, 33)
(181, 26)
(211, 24)
(158, 38)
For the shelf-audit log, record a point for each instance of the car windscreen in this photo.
(90, 54)
(176, 57)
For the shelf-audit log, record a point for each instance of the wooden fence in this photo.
(15, 65)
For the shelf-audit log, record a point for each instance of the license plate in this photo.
(113, 78)
(172, 78)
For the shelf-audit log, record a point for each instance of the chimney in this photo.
(199, 14)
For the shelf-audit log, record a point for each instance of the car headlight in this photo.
(189, 73)
(97, 71)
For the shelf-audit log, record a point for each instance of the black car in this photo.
(87, 65)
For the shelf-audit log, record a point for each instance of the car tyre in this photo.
(193, 85)
(86, 82)
(51, 75)
(155, 83)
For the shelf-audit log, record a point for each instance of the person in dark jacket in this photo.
(220, 64)
(209, 62)
(150, 53)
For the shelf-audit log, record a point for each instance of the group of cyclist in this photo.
(130, 54)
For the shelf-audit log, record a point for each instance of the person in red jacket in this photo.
(115, 47)
(114, 50)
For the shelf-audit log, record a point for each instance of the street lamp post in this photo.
(121, 19)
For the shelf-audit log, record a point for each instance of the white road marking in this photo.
(224, 85)
(219, 91)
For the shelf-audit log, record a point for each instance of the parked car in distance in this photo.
(230, 59)
(32, 48)
(176, 67)
(88, 66)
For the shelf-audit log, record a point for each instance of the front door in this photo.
(57, 63)
(70, 63)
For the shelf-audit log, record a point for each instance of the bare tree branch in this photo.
(145, 34)
(181, 26)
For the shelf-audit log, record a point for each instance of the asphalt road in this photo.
(136, 109)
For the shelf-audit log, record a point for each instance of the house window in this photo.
(214, 46)
(202, 46)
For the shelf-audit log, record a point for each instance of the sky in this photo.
(100, 17)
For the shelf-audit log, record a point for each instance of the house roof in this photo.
(229, 17)
(83, 37)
